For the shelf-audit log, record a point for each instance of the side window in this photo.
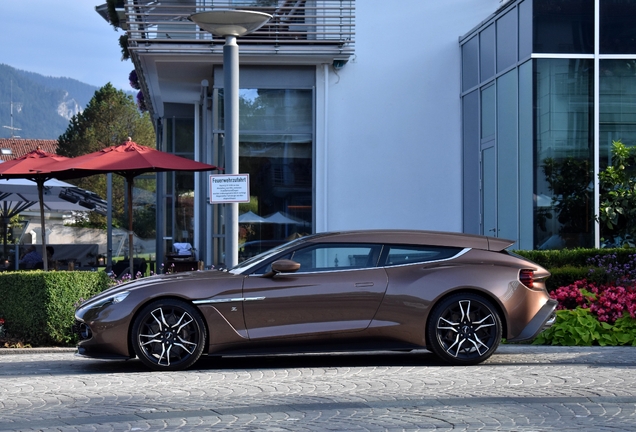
(268, 267)
(401, 254)
(330, 257)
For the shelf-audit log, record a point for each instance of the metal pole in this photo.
(109, 222)
(231, 102)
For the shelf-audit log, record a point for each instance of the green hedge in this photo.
(563, 276)
(569, 265)
(38, 307)
(552, 259)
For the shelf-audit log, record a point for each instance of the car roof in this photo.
(411, 237)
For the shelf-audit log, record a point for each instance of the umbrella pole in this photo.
(130, 226)
(5, 221)
(45, 261)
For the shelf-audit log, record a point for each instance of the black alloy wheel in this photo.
(168, 334)
(464, 329)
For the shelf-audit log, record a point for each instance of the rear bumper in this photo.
(541, 321)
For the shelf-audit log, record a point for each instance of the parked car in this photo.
(255, 247)
(454, 294)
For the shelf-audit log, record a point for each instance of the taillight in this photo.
(526, 277)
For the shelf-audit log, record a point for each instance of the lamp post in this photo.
(231, 24)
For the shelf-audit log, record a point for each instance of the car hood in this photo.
(157, 281)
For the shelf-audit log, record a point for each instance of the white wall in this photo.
(393, 128)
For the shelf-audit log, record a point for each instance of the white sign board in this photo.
(229, 188)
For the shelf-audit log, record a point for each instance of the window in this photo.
(507, 41)
(617, 32)
(617, 106)
(400, 255)
(563, 27)
(330, 257)
(563, 160)
(276, 150)
(470, 65)
(487, 53)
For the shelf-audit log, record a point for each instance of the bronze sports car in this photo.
(456, 295)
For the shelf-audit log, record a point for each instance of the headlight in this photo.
(114, 299)
(120, 296)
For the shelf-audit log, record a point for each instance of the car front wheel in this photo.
(168, 334)
(464, 329)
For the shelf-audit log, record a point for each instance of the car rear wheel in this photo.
(168, 334)
(464, 329)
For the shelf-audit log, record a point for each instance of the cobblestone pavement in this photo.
(521, 388)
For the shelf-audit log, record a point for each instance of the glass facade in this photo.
(540, 144)
(178, 186)
(617, 105)
(276, 150)
(617, 29)
(563, 157)
(563, 26)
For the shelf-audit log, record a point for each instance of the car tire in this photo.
(168, 334)
(464, 329)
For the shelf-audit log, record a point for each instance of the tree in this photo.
(569, 181)
(617, 210)
(109, 119)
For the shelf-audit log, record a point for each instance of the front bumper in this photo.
(541, 321)
(86, 353)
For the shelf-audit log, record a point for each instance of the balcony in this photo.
(298, 27)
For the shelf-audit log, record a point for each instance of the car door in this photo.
(338, 288)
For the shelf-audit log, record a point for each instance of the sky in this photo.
(62, 39)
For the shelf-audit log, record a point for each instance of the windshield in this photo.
(255, 261)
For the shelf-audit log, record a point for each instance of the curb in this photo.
(49, 350)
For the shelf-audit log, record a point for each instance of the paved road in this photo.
(521, 388)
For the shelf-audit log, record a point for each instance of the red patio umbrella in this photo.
(128, 160)
(35, 166)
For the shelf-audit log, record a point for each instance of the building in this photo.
(547, 86)
(369, 114)
(11, 148)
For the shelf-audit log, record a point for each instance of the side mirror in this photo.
(282, 266)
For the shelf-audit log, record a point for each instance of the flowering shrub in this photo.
(598, 312)
(141, 102)
(606, 268)
(607, 302)
(612, 302)
(571, 296)
(134, 80)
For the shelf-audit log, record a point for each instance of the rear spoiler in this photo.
(498, 244)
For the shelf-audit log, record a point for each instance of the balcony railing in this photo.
(306, 24)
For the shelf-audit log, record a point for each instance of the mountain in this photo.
(42, 106)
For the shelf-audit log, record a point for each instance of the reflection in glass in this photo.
(184, 208)
(617, 105)
(178, 211)
(563, 165)
(563, 27)
(617, 30)
(275, 149)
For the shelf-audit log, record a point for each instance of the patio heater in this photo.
(231, 24)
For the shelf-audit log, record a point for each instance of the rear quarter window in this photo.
(401, 254)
